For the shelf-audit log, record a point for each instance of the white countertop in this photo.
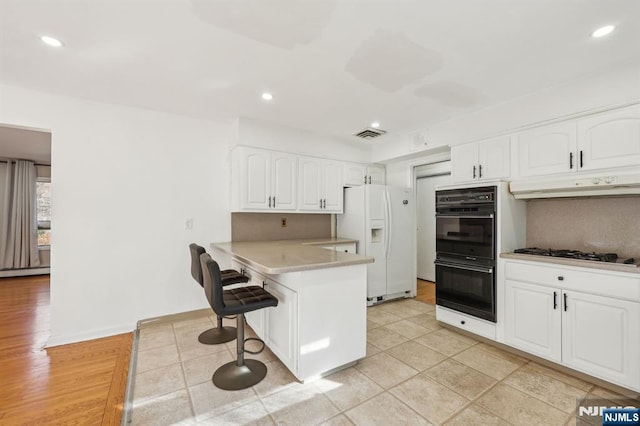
(279, 257)
(607, 266)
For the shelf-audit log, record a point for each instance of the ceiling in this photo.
(333, 66)
(25, 144)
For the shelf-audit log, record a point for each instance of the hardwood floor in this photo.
(82, 383)
(426, 291)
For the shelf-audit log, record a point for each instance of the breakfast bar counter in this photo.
(319, 325)
(278, 257)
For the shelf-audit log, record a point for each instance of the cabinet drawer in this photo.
(466, 322)
(347, 248)
(601, 283)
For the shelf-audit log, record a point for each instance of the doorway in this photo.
(33, 145)
(428, 177)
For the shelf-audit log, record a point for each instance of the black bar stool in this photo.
(241, 373)
(219, 334)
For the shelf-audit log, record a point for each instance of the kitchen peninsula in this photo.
(319, 324)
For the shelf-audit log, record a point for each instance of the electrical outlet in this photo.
(188, 223)
(283, 222)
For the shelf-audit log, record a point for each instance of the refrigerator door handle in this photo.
(387, 224)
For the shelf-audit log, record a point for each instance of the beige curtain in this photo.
(18, 223)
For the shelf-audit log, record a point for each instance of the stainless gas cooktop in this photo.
(578, 255)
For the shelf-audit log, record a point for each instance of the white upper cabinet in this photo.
(284, 171)
(484, 160)
(263, 180)
(600, 141)
(355, 174)
(547, 150)
(464, 162)
(359, 174)
(376, 175)
(320, 185)
(332, 187)
(610, 139)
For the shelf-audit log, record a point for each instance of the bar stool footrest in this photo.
(257, 340)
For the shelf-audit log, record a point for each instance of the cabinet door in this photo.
(610, 139)
(354, 174)
(310, 184)
(464, 162)
(532, 319)
(547, 150)
(376, 175)
(284, 181)
(257, 180)
(494, 158)
(601, 336)
(332, 187)
(256, 319)
(280, 324)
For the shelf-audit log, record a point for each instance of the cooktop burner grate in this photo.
(570, 254)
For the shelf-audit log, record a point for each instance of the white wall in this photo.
(280, 138)
(586, 94)
(400, 173)
(123, 181)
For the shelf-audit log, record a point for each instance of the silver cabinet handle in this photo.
(274, 201)
(325, 204)
(365, 180)
(369, 179)
(320, 202)
(571, 161)
(486, 270)
(480, 171)
(269, 201)
(474, 172)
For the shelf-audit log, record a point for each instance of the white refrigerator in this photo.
(381, 219)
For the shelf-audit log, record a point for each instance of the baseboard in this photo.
(24, 272)
(175, 317)
(128, 395)
(88, 335)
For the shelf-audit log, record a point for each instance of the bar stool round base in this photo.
(233, 377)
(215, 336)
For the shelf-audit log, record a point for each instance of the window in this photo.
(43, 212)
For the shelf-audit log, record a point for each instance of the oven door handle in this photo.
(486, 270)
(462, 216)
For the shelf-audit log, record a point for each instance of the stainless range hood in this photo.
(577, 186)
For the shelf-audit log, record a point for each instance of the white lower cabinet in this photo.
(279, 332)
(600, 336)
(555, 316)
(532, 319)
(304, 331)
(274, 325)
(466, 322)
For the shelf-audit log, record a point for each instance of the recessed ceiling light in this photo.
(375, 124)
(267, 96)
(51, 41)
(603, 31)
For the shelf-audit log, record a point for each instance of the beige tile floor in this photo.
(415, 373)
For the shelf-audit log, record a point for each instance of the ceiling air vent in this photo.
(370, 133)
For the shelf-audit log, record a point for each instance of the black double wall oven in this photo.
(466, 250)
